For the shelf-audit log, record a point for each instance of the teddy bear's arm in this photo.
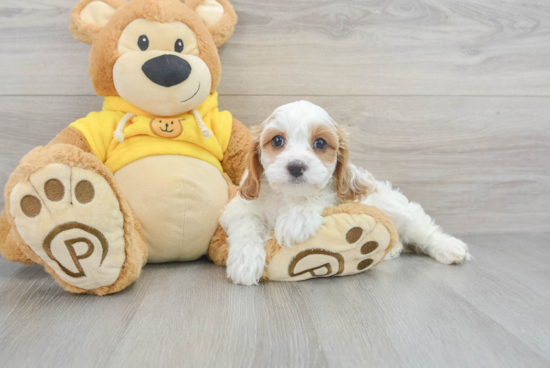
(73, 137)
(234, 158)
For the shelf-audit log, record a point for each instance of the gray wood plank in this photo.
(514, 294)
(478, 165)
(526, 260)
(42, 325)
(193, 316)
(289, 47)
(402, 305)
(408, 312)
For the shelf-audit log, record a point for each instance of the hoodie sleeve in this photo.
(98, 128)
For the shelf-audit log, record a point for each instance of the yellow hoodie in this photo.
(142, 140)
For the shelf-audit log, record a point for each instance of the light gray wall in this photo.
(450, 100)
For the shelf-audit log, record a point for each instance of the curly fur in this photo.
(274, 198)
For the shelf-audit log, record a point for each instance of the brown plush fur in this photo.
(135, 248)
(73, 137)
(104, 53)
(71, 148)
(8, 244)
(85, 32)
(234, 159)
(223, 29)
(219, 247)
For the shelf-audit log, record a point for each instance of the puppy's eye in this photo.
(178, 47)
(143, 42)
(320, 144)
(277, 141)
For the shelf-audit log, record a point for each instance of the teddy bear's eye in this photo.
(178, 47)
(143, 42)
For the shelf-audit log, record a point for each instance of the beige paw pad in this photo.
(345, 244)
(71, 218)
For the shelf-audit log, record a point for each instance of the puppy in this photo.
(299, 165)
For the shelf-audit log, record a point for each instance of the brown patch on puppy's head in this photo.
(268, 151)
(159, 55)
(250, 187)
(349, 186)
(330, 135)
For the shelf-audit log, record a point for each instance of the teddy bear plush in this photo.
(145, 179)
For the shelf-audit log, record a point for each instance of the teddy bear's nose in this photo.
(167, 70)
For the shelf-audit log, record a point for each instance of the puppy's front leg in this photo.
(247, 235)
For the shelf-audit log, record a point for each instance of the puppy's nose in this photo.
(167, 70)
(296, 168)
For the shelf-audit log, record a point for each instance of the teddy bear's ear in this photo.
(218, 16)
(89, 16)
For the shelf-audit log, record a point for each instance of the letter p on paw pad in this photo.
(71, 218)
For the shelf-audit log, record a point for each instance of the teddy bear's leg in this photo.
(64, 210)
(353, 238)
(8, 242)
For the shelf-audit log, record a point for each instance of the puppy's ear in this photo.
(250, 187)
(352, 183)
(90, 16)
(218, 16)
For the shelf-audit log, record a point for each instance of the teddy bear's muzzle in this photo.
(167, 70)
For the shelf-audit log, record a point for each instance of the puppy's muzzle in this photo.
(296, 168)
(167, 70)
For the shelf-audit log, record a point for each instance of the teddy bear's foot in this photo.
(74, 225)
(353, 238)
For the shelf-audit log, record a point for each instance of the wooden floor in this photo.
(408, 312)
(449, 99)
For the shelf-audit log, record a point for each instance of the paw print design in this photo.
(71, 218)
(346, 244)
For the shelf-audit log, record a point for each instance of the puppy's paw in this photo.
(395, 251)
(297, 228)
(245, 265)
(450, 250)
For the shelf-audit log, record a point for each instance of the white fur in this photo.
(292, 209)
